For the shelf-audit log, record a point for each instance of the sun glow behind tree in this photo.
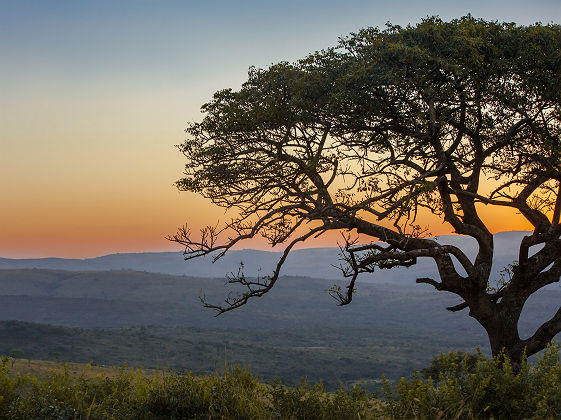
(380, 127)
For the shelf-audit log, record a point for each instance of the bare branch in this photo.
(458, 307)
(262, 285)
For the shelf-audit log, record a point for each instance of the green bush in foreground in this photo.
(133, 395)
(307, 401)
(455, 386)
(471, 387)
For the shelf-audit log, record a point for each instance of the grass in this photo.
(334, 355)
(454, 386)
(36, 389)
(44, 368)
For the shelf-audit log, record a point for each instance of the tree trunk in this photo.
(505, 341)
(500, 321)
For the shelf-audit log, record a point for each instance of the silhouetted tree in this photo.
(441, 117)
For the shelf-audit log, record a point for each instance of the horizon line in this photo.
(271, 250)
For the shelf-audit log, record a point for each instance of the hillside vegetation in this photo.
(461, 388)
(339, 356)
(128, 298)
(156, 321)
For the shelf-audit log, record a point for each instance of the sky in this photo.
(95, 94)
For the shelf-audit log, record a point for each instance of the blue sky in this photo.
(179, 40)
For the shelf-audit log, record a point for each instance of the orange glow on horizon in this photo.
(94, 96)
(89, 228)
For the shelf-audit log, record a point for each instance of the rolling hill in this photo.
(309, 262)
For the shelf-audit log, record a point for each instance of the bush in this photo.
(455, 386)
(451, 363)
(307, 401)
(235, 394)
(488, 389)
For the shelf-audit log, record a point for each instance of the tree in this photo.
(442, 117)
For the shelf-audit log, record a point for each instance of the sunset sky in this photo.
(95, 94)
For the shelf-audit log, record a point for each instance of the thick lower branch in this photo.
(542, 336)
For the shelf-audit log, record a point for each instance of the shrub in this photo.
(307, 401)
(233, 395)
(451, 363)
(464, 387)
(488, 389)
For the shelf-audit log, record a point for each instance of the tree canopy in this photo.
(441, 117)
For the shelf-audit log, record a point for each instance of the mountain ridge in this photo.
(308, 262)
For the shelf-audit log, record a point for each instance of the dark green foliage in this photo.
(307, 401)
(467, 387)
(334, 355)
(486, 389)
(233, 395)
(441, 365)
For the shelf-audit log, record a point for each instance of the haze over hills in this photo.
(310, 262)
(156, 320)
(124, 298)
(127, 298)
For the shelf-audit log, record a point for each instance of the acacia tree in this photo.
(442, 117)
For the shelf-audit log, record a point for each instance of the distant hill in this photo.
(310, 262)
(156, 320)
(125, 298)
(334, 355)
